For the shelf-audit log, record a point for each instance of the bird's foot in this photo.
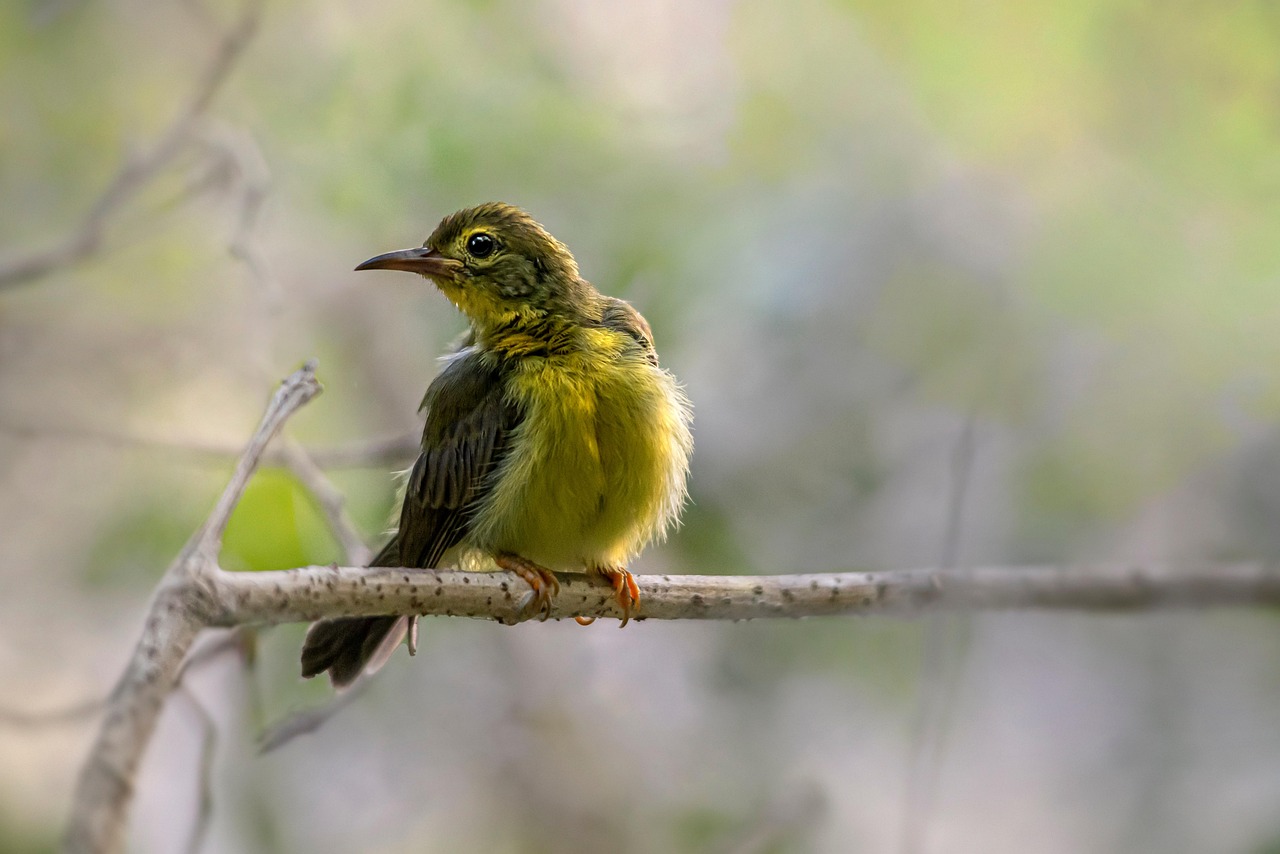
(625, 590)
(411, 637)
(542, 583)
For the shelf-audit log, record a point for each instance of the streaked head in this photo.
(495, 262)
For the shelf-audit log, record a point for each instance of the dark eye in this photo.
(481, 245)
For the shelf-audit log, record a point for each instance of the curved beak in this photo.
(422, 260)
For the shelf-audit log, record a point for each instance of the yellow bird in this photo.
(553, 438)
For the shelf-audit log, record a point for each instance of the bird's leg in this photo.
(625, 590)
(542, 582)
(412, 635)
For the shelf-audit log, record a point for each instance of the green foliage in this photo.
(276, 526)
(16, 837)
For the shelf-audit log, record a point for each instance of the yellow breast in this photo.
(597, 466)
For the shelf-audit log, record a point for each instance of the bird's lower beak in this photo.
(422, 260)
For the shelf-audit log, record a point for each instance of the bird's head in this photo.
(497, 264)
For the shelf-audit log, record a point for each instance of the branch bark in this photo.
(195, 594)
(314, 592)
(175, 617)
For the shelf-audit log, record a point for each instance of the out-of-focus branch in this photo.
(363, 453)
(333, 504)
(940, 664)
(386, 451)
(141, 168)
(175, 617)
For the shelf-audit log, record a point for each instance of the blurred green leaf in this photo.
(276, 526)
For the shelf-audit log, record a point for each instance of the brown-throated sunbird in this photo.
(553, 439)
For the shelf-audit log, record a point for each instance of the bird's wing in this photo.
(467, 433)
(621, 316)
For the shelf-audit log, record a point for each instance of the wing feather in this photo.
(468, 427)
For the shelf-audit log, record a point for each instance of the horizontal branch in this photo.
(195, 594)
(314, 592)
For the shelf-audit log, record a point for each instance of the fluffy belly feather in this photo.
(597, 467)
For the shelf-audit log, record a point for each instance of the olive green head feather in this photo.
(497, 264)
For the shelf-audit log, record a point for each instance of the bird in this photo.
(553, 438)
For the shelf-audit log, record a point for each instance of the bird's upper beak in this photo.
(422, 260)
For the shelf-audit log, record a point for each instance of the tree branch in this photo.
(311, 593)
(174, 618)
(195, 594)
(362, 453)
(333, 504)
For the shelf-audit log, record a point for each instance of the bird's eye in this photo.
(481, 245)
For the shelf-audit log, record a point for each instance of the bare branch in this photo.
(105, 787)
(86, 709)
(293, 393)
(137, 171)
(175, 618)
(363, 453)
(332, 502)
(940, 665)
(301, 595)
(309, 720)
(387, 451)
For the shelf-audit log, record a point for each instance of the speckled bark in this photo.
(313, 592)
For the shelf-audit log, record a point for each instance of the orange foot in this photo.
(625, 590)
(542, 582)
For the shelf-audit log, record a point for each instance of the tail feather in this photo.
(349, 646)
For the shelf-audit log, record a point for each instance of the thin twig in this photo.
(363, 453)
(140, 169)
(85, 709)
(298, 723)
(250, 178)
(331, 501)
(940, 660)
(292, 395)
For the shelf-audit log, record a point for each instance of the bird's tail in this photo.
(349, 646)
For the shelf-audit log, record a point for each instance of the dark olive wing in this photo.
(469, 425)
(622, 317)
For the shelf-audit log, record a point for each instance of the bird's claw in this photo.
(625, 590)
(543, 585)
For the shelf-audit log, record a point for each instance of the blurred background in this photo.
(949, 285)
